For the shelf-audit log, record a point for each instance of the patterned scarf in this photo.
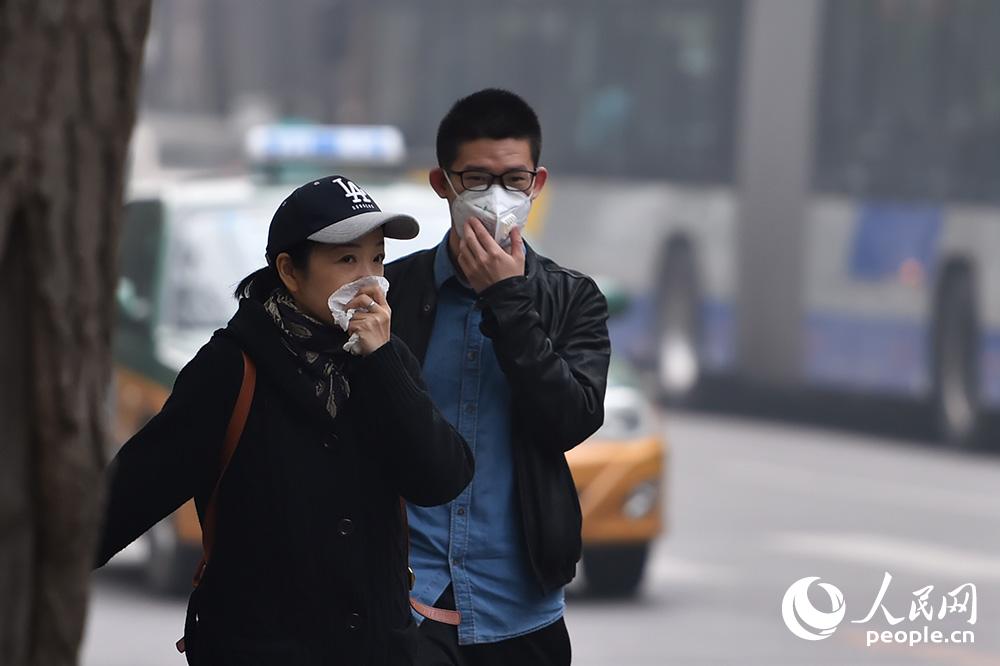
(317, 346)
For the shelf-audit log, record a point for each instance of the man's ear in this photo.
(286, 272)
(437, 177)
(540, 178)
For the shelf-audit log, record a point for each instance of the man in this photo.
(515, 354)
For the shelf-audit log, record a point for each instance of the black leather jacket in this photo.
(549, 331)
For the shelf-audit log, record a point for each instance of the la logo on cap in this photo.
(353, 191)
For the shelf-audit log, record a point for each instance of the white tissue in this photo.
(342, 315)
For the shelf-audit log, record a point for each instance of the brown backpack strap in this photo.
(234, 431)
(442, 615)
(237, 422)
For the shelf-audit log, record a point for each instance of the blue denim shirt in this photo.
(475, 542)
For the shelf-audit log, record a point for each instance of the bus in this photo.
(800, 194)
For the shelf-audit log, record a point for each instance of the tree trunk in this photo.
(69, 72)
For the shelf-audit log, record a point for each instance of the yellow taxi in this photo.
(620, 477)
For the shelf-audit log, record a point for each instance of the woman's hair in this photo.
(263, 281)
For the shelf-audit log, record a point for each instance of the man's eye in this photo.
(348, 259)
(379, 258)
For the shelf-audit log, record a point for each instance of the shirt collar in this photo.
(443, 268)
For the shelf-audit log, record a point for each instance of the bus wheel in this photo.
(678, 360)
(956, 385)
(170, 566)
(614, 570)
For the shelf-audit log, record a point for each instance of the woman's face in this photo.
(330, 267)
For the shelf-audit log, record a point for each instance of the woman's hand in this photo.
(371, 320)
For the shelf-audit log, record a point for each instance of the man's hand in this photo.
(483, 261)
(371, 320)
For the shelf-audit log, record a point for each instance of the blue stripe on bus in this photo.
(718, 321)
(633, 333)
(869, 354)
(990, 375)
(844, 351)
(889, 235)
(885, 355)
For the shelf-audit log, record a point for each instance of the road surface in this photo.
(754, 506)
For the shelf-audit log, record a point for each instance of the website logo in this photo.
(805, 620)
(810, 623)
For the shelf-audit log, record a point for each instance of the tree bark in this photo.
(69, 72)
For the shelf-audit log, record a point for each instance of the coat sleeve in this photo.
(428, 462)
(557, 385)
(176, 454)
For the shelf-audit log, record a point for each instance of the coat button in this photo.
(354, 621)
(345, 526)
(427, 307)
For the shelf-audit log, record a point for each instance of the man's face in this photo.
(495, 156)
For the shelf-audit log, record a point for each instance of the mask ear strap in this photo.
(447, 179)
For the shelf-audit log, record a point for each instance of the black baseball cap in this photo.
(332, 209)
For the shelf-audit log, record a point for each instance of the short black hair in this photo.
(492, 113)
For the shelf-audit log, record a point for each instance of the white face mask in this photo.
(499, 210)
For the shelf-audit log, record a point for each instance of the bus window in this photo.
(639, 88)
(973, 118)
(909, 104)
(656, 97)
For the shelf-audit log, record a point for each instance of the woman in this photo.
(309, 558)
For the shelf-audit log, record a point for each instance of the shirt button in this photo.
(354, 621)
(461, 510)
(345, 526)
(471, 356)
(455, 561)
(470, 408)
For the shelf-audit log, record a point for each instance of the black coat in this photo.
(309, 562)
(549, 331)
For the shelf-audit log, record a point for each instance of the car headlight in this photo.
(641, 500)
(627, 415)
